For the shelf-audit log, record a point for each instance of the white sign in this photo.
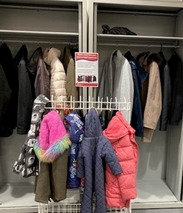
(86, 69)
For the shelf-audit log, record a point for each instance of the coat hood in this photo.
(117, 128)
(93, 126)
(51, 54)
(75, 127)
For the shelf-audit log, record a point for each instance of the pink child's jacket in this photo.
(121, 189)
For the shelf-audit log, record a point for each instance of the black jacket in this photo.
(32, 68)
(9, 82)
(139, 76)
(25, 96)
(166, 93)
(176, 75)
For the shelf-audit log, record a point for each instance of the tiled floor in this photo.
(158, 211)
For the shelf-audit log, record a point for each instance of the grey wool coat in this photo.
(95, 152)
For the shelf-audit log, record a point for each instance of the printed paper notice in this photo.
(86, 69)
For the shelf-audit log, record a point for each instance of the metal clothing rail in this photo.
(38, 42)
(39, 37)
(138, 45)
(36, 32)
(38, 7)
(82, 104)
(135, 12)
(138, 41)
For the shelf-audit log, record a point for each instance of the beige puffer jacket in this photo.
(58, 76)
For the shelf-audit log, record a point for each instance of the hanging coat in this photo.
(9, 120)
(51, 148)
(27, 162)
(53, 139)
(139, 76)
(32, 68)
(153, 105)
(122, 188)
(69, 67)
(39, 73)
(176, 76)
(95, 152)
(151, 95)
(5, 98)
(57, 72)
(75, 129)
(166, 93)
(42, 81)
(25, 93)
(116, 81)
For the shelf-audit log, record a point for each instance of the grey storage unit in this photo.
(158, 25)
(48, 23)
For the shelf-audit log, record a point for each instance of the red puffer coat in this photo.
(122, 188)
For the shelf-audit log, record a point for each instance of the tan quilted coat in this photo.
(58, 76)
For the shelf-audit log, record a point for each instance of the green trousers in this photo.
(50, 184)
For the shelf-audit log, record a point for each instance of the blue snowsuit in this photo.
(95, 152)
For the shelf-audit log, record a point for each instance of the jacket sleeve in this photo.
(111, 158)
(53, 152)
(154, 98)
(80, 165)
(153, 105)
(166, 99)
